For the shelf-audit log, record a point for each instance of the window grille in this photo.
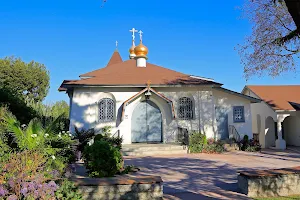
(106, 110)
(238, 114)
(185, 111)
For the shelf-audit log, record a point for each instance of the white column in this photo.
(280, 142)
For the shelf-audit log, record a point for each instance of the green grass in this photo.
(279, 198)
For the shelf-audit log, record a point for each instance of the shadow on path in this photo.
(192, 178)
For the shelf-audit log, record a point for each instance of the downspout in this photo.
(199, 107)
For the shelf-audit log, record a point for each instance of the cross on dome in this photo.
(141, 35)
(133, 30)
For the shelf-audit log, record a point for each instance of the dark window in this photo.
(238, 114)
(106, 110)
(185, 110)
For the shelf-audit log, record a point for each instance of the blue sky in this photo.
(72, 37)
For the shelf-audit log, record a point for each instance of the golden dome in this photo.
(141, 50)
(131, 50)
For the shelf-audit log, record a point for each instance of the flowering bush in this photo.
(24, 175)
(249, 145)
(33, 167)
(199, 144)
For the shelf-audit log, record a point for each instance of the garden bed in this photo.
(270, 183)
(120, 187)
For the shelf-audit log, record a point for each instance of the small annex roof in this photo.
(131, 99)
(251, 99)
(278, 97)
(126, 73)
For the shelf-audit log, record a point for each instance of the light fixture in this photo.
(147, 95)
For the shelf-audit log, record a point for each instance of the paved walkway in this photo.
(209, 176)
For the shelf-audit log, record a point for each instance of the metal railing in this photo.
(233, 133)
(116, 134)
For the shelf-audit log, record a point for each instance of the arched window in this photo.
(185, 110)
(106, 110)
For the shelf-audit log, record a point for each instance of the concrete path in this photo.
(209, 176)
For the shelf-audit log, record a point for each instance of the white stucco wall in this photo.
(227, 101)
(84, 110)
(260, 112)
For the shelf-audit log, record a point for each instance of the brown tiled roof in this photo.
(61, 87)
(115, 59)
(278, 97)
(127, 73)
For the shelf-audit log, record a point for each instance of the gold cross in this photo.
(148, 83)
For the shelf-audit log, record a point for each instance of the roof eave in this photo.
(139, 85)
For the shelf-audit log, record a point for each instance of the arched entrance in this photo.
(270, 132)
(291, 127)
(146, 123)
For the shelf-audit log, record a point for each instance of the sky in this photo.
(72, 37)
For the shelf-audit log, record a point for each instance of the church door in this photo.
(146, 123)
(222, 123)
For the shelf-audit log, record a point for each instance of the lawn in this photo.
(279, 198)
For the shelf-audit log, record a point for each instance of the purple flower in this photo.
(36, 194)
(24, 191)
(11, 182)
(52, 185)
(31, 186)
(12, 197)
(3, 191)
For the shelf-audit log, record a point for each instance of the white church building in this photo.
(147, 103)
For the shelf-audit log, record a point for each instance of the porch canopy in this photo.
(147, 89)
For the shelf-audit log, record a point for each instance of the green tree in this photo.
(60, 108)
(30, 80)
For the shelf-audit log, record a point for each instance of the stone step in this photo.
(151, 147)
(152, 153)
(231, 147)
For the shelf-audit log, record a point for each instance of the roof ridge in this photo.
(114, 59)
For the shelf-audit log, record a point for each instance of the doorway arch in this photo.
(146, 123)
(291, 127)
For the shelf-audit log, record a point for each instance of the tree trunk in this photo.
(294, 9)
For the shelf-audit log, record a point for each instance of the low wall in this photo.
(121, 187)
(270, 183)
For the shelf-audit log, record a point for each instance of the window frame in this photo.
(185, 109)
(113, 107)
(242, 108)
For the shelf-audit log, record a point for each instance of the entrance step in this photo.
(152, 149)
(231, 147)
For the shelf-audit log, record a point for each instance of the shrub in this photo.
(197, 142)
(114, 141)
(102, 159)
(249, 145)
(200, 144)
(215, 147)
(25, 175)
(83, 136)
(68, 191)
